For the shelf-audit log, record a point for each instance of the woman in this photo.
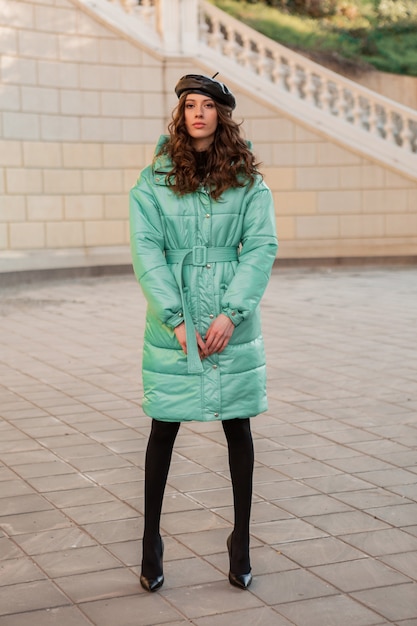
(203, 244)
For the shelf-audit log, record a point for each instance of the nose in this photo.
(199, 111)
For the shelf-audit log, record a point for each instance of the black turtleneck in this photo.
(201, 164)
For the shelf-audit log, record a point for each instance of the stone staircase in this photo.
(350, 114)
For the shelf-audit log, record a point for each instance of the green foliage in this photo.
(313, 8)
(395, 52)
(352, 34)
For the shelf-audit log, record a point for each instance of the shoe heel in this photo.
(152, 584)
(237, 580)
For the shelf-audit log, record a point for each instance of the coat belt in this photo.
(198, 256)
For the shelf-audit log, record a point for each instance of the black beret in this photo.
(195, 83)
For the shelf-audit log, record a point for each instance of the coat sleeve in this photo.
(147, 247)
(259, 248)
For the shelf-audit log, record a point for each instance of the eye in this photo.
(189, 105)
(210, 105)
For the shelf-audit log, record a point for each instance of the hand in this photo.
(218, 334)
(182, 340)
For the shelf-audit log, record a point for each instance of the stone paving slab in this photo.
(334, 520)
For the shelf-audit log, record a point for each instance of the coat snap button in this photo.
(207, 214)
(211, 316)
(208, 266)
(216, 415)
(214, 367)
(233, 313)
(180, 314)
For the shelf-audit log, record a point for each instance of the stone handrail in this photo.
(307, 81)
(352, 114)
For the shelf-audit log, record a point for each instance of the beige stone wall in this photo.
(403, 89)
(80, 108)
(80, 111)
(330, 202)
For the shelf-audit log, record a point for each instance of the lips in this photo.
(198, 125)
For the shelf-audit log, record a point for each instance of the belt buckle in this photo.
(199, 255)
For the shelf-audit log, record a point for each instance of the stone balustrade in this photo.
(333, 101)
(145, 10)
(307, 81)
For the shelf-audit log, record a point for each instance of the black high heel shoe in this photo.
(152, 584)
(238, 580)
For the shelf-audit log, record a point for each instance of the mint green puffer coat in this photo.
(178, 249)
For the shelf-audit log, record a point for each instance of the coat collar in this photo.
(162, 163)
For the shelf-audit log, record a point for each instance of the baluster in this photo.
(276, 69)
(345, 104)
(260, 60)
(146, 6)
(310, 89)
(336, 98)
(408, 135)
(412, 125)
(390, 135)
(355, 113)
(399, 129)
(204, 28)
(214, 35)
(132, 5)
(381, 119)
(318, 93)
(327, 97)
(146, 9)
(268, 66)
(292, 77)
(229, 42)
(283, 72)
(243, 56)
(350, 107)
(363, 111)
(373, 119)
(301, 81)
(252, 56)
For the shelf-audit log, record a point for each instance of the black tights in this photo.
(157, 462)
(241, 459)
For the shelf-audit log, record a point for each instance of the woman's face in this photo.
(200, 120)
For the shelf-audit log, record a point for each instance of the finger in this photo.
(201, 344)
(221, 343)
(211, 338)
(216, 344)
(207, 338)
(224, 345)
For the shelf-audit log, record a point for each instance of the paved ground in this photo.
(334, 533)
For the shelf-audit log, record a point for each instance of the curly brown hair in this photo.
(229, 159)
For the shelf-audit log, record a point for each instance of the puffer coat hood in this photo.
(195, 258)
